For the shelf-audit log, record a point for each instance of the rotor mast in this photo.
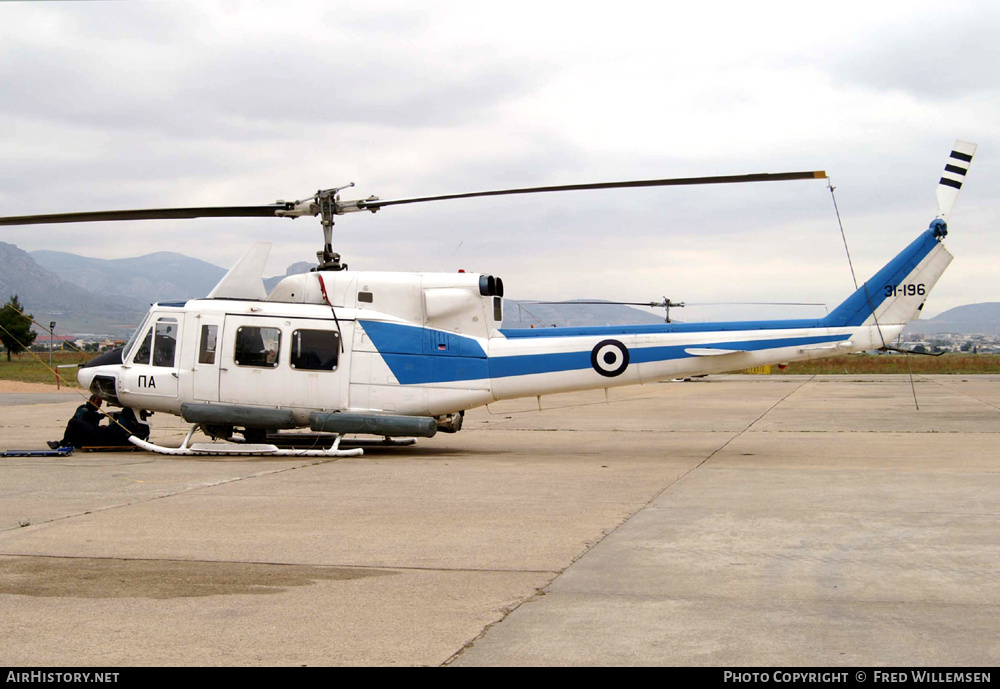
(326, 203)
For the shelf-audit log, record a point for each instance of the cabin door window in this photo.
(205, 376)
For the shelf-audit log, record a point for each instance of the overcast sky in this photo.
(128, 104)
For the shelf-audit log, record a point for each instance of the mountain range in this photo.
(49, 297)
(97, 296)
(142, 280)
(528, 314)
(110, 296)
(971, 318)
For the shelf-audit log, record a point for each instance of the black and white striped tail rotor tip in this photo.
(954, 175)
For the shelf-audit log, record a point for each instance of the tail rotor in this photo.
(954, 174)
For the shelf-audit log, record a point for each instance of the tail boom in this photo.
(513, 363)
(543, 361)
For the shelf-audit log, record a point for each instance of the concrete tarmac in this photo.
(729, 521)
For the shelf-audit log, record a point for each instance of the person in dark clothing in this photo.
(84, 428)
(127, 425)
(90, 411)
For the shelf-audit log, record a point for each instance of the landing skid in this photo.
(314, 440)
(256, 449)
(384, 442)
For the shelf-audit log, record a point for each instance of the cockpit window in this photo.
(135, 336)
(144, 350)
(165, 344)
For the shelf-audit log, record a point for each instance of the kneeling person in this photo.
(85, 429)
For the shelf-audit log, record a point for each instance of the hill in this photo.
(146, 279)
(294, 269)
(162, 276)
(526, 314)
(50, 298)
(971, 318)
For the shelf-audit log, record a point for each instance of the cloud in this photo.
(941, 55)
(130, 105)
(271, 87)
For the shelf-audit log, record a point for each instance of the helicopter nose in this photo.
(99, 376)
(85, 377)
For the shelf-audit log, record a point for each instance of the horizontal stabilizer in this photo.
(710, 351)
(824, 345)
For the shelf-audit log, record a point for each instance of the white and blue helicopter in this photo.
(404, 355)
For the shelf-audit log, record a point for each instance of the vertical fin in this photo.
(896, 293)
(245, 280)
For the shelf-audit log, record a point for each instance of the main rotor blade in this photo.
(678, 181)
(271, 210)
(755, 303)
(604, 303)
(687, 303)
(150, 214)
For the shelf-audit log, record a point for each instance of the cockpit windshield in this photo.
(127, 351)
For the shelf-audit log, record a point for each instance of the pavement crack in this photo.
(544, 589)
(540, 592)
(960, 392)
(727, 443)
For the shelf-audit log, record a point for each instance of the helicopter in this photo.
(401, 355)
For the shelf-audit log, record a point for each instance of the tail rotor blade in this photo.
(954, 174)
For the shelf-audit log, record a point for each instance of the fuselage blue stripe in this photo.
(414, 369)
(532, 364)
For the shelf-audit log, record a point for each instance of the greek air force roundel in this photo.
(609, 358)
